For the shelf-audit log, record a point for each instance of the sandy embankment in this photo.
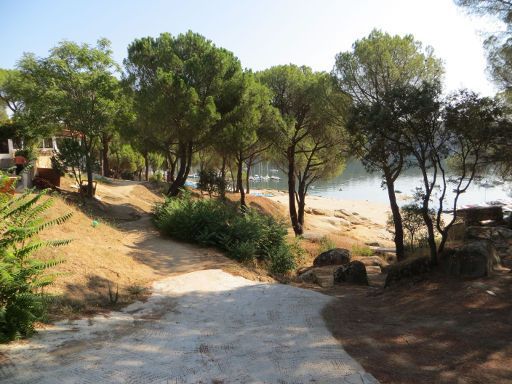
(359, 219)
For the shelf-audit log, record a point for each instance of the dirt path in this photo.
(200, 325)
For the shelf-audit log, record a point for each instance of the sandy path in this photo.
(201, 327)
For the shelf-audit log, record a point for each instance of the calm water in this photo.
(355, 183)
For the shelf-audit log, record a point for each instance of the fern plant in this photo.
(23, 276)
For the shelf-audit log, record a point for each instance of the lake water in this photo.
(355, 183)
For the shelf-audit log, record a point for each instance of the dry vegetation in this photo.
(122, 254)
(437, 331)
(434, 331)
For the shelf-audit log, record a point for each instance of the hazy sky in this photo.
(261, 33)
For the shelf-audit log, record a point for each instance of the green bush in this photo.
(212, 182)
(244, 236)
(362, 250)
(23, 276)
(326, 244)
(157, 177)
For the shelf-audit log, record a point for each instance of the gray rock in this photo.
(336, 256)
(341, 213)
(308, 276)
(320, 212)
(479, 233)
(475, 259)
(373, 261)
(488, 233)
(412, 268)
(353, 272)
(373, 270)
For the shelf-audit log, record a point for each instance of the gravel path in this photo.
(200, 327)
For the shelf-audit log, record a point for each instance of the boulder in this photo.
(478, 233)
(373, 261)
(309, 276)
(320, 212)
(322, 276)
(336, 256)
(409, 268)
(488, 233)
(353, 272)
(373, 270)
(341, 213)
(474, 259)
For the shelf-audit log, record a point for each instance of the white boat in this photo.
(273, 177)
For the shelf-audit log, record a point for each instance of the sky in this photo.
(262, 33)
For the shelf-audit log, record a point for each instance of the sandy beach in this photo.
(359, 219)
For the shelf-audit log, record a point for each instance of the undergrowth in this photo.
(244, 236)
(23, 276)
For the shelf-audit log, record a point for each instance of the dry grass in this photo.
(96, 258)
(124, 253)
(439, 331)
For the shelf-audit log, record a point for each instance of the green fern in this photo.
(23, 276)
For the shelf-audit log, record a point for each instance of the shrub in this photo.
(362, 250)
(70, 158)
(157, 177)
(325, 244)
(244, 236)
(22, 276)
(415, 230)
(211, 182)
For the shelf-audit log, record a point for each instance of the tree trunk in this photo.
(297, 227)
(239, 179)
(431, 234)
(90, 179)
(146, 166)
(397, 217)
(301, 203)
(425, 213)
(223, 178)
(233, 181)
(105, 140)
(248, 190)
(185, 155)
(179, 181)
(171, 165)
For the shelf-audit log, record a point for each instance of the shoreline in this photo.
(361, 220)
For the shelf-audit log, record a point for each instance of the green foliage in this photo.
(311, 139)
(125, 160)
(325, 244)
(23, 276)
(156, 161)
(211, 182)
(74, 88)
(157, 177)
(179, 85)
(415, 230)
(244, 236)
(498, 43)
(70, 158)
(362, 250)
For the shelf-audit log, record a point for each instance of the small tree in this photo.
(76, 90)
(376, 66)
(70, 158)
(310, 142)
(22, 275)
